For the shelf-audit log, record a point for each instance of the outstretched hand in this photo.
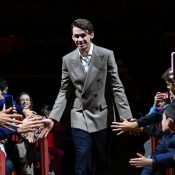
(48, 125)
(120, 127)
(30, 124)
(9, 119)
(140, 161)
(124, 126)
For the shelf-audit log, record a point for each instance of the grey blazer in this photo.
(90, 109)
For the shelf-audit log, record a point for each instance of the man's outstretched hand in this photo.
(48, 125)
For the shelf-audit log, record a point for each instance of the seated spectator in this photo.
(152, 118)
(23, 144)
(56, 154)
(9, 123)
(163, 156)
(160, 102)
(4, 93)
(14, 126)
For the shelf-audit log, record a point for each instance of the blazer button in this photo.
(95, 95)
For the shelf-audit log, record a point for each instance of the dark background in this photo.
(34, 35)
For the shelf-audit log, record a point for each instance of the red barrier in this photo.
(154, 142)
(44, 159)
(2, 163)
(44, 156)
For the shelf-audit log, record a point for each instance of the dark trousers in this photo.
(91, 152)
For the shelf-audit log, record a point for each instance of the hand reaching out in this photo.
(124, 126)
(9, 119)
(28, 112)
(30, 123)
(140, 161)
(48, 125)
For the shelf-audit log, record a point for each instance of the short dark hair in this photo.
(170, 111)
(83, 24)
(45, 106)
(3, 84)
(166, 75)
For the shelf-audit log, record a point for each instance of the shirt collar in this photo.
(89, 53)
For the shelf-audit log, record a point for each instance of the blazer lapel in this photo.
(78, 68)
(93, 69)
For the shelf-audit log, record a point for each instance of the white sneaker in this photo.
(51, 173)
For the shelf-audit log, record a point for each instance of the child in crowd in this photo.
(164, 154)
(56, 153)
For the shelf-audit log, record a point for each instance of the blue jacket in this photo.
(165, 151)
(153, 118)
(164, 160)
(4, 132)
(19, 108)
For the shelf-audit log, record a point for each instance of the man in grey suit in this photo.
(86, 72)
